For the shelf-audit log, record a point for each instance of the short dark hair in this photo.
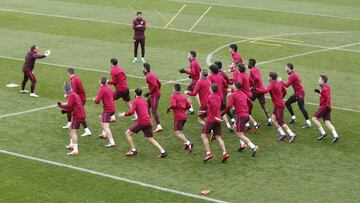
(238, 85)
(214, 69)
(177, 87)
(147, 66)
(138, 91)
(324, 78)
(241, 67)
(114, 61)
(139, 12)
(103, 80)
(252, 62)
(204, 72)
(71, 70)
(234, 47)
(273, 75)
(214, 88)
(218, 64)
(290, 65)
(193, 53)
(32, 48)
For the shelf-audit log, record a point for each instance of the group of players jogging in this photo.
(221, 99)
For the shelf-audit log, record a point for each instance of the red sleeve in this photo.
(132, 110)
(38, 56)
(173, 103)
(252, 79)
(289, 82)
(69, 105)
(284, 91)
(263, 90)
(98, 97)
(191, 70)
(134, 24)
(227, 79)
(74, 85)
(196, 89)
(225, 84)
(230, 104)
(327, 96)
(113, 78)
(158, 83)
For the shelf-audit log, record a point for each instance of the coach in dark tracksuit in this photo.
(139, 26)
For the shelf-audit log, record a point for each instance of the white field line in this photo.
(201, 17)
(28, 111)
(268, 9)
(173, 29)
(210, 55)
(118, 178)
(173, 18)
(114, 22)
(310, 52)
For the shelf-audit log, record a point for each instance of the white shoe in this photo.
(134, 60)
(24, 91)
(158, 129)
(67, 126)
(110, 145)
(34, 95)
(143, 60)
(85, 134)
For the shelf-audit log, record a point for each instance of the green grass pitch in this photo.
(319, 37)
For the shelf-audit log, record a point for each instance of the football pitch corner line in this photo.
(118, 178)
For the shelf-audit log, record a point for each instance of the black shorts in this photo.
(324, 113)
(106, 117)
(147, 129)
(241, 124)
(212, 126)
(125, 95)
(75, 124)
(179, 125)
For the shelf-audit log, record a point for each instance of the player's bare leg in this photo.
(107, 130)
(74, 139)
(188, 145)
(266, 111)
(130, 140)
(330, 126)
(319, 126)
(282, 134)
(288, 130)
(248, 142)
(103, 133)
(205, 141)
(135, 115)
(222, 146)
(201, 121)
(68, 116)
(157, 145)
(255, 124)
(191, 110)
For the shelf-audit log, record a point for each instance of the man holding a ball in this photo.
(28, 68)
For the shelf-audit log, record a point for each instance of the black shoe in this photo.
(269, 124)
(292, 121)
(335, 139)
(254, 151)
(241, 149)
(322, 137)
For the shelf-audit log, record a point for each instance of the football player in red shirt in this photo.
(77, 87)
(298, 96)
(324, 110)
(139, 105)
(75, 107)
(277, 92)
(235, 56)
(139, 26)
(241, 102)
(213, 124)
(179, 105)
(194, 74)
(28, 67)
(106, 96)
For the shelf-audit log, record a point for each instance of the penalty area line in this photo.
(126, 180)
